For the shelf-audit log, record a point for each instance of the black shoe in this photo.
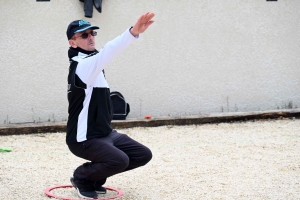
(100, 190)
(84, 194)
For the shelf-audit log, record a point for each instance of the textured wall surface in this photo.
(199, 57)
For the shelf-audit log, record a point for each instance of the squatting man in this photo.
(89, 132)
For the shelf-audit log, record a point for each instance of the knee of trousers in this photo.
(118, 163)
(147, 156)
(143, 159)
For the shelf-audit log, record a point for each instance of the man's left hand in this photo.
(142, 23)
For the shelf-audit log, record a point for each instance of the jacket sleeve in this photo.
(89, 68)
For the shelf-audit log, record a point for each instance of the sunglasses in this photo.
(86, 35)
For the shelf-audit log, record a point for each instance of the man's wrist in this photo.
(133, 33)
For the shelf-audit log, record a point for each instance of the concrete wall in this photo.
(199, 57)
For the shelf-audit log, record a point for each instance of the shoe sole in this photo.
(84, 196)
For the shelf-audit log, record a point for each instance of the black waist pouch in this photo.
(120, 107)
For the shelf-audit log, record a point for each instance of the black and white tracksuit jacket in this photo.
(90, 107)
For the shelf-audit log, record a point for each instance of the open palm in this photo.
(142, 23)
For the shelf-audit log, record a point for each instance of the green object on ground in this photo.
(5, 149)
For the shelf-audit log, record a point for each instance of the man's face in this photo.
(87, 44)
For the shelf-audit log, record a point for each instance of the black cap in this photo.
(79, 26)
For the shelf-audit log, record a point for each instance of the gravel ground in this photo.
(240, 160)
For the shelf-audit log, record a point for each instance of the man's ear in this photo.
(72, 43)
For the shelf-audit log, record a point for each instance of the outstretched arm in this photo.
(142, 23)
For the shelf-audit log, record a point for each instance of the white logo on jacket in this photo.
(69, 88)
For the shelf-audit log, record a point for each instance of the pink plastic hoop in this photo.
(48, 193)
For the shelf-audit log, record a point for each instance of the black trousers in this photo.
(109, 155)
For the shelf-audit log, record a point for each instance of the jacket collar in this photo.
(79, 52)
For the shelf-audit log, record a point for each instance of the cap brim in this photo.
(85, 28)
